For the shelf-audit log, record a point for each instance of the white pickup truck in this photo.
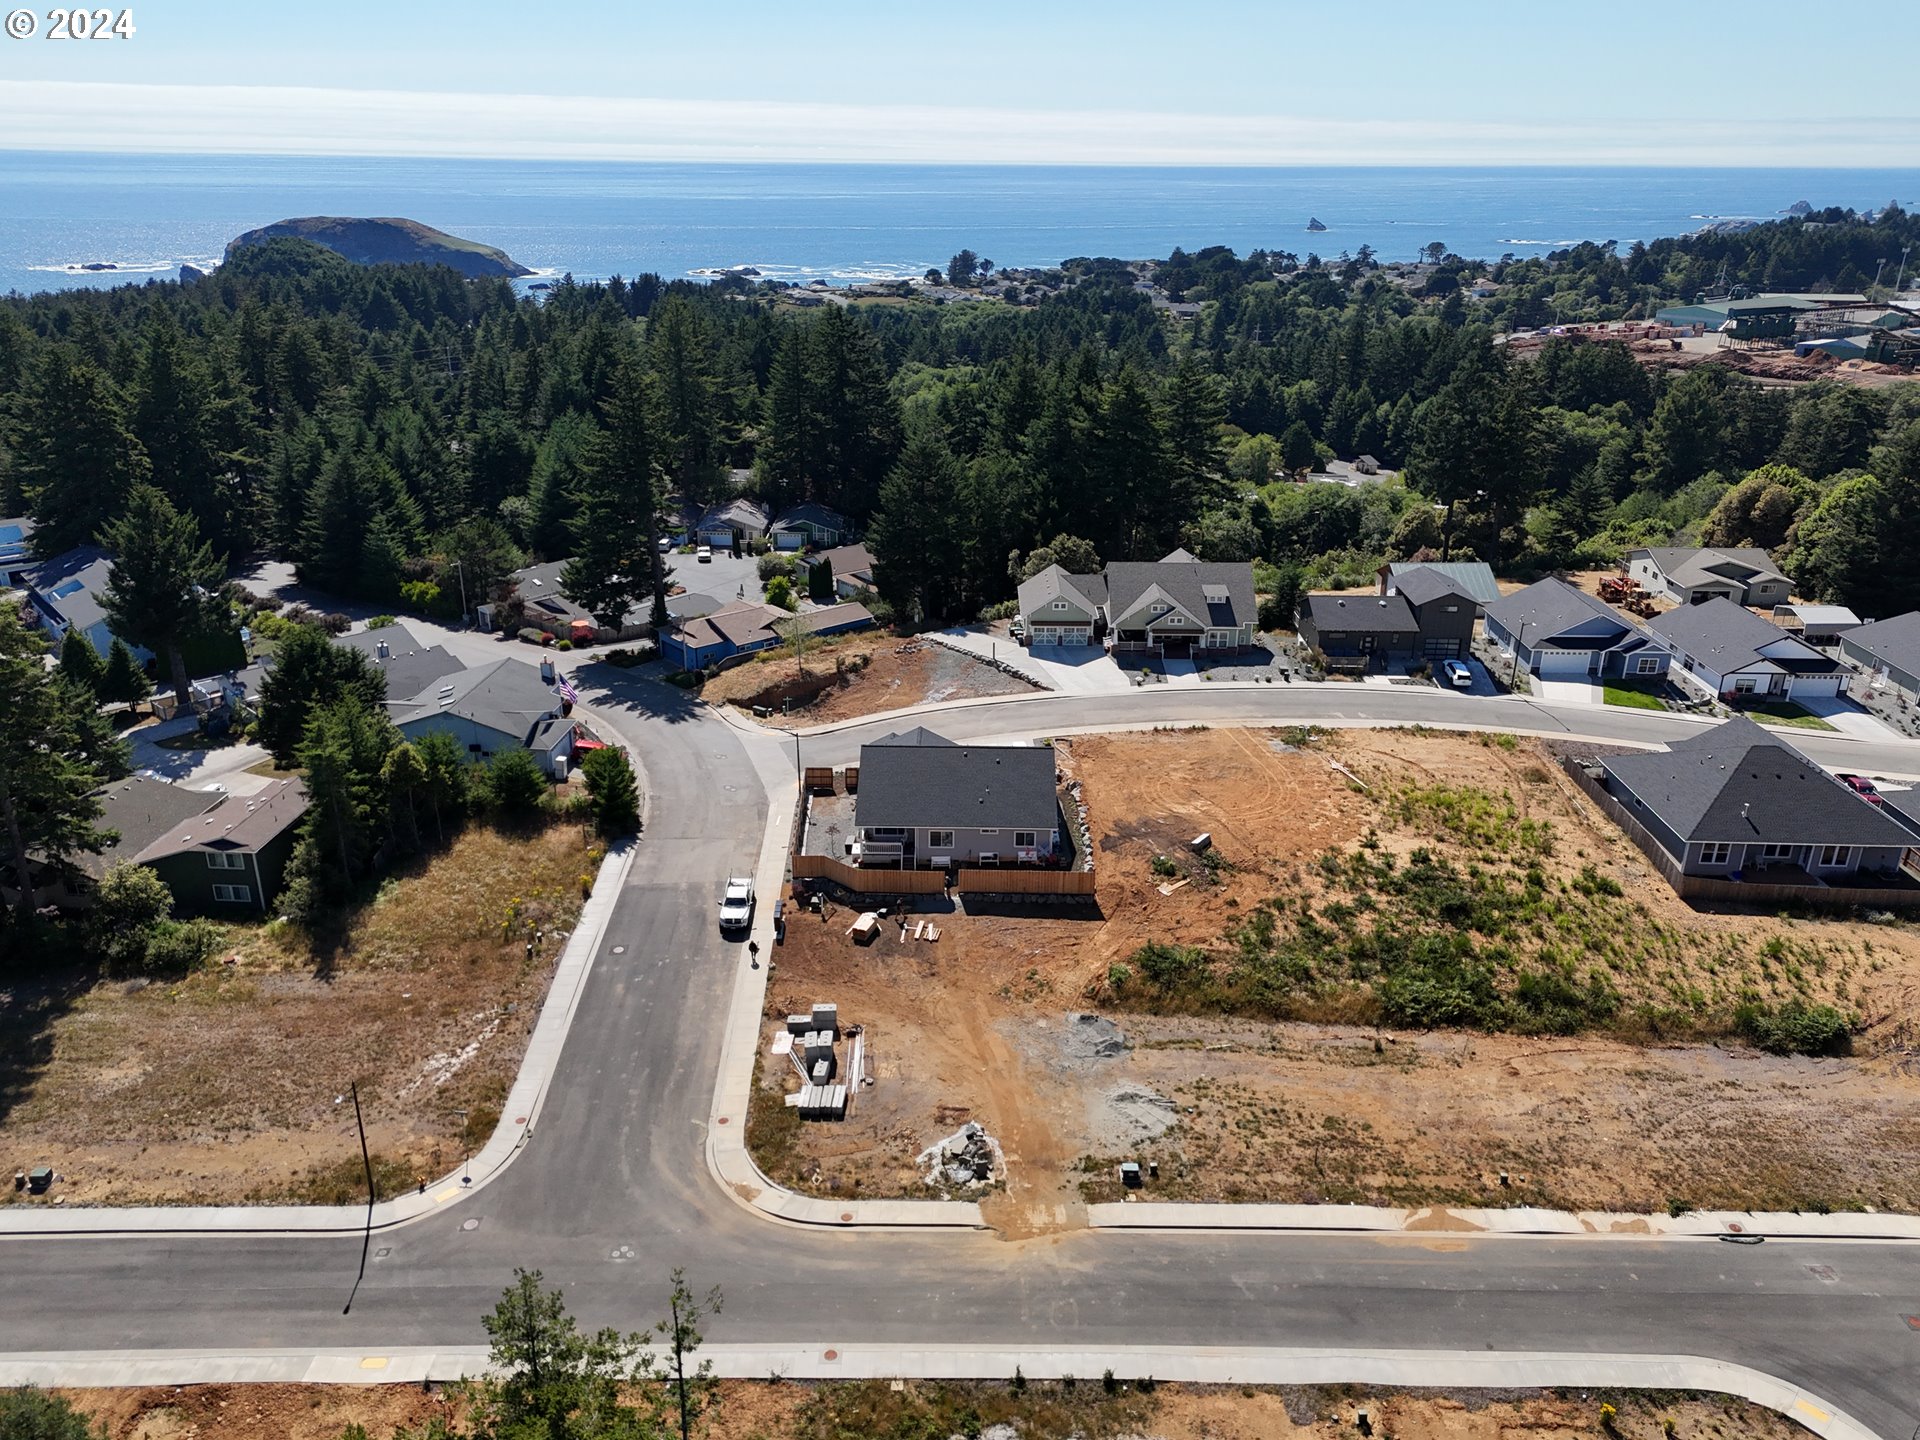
(736, 903)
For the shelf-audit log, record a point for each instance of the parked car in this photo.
(666, 544)
(1457, 674)
(704, 554)
(1862, 787)
(736, 903)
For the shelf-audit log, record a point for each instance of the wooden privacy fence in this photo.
(869, 882)
(1027, 882)
(1736, 892)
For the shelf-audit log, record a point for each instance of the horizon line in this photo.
(99, 117)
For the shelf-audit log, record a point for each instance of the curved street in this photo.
(612, 1188)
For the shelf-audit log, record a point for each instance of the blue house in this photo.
(67, 592)
(704, 640)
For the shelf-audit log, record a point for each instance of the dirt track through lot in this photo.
(973, 1026)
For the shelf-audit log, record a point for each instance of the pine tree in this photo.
(679, 351)
(343, 753)
(858, 418)
(299, 455)
(55, 752)
(173, 417)
(74, 457)
(124, 679)
(616, 798)
(560, 475)
(443, 778)
(159, 592)
(334, 528)
(616, 557)
(81, 663)
(1196, 408)
(310, 672)
(916, 562)
(790, 432)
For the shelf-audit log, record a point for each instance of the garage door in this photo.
(1562, 662)
(1442, 650)
(1815, 686)
(1045, 635)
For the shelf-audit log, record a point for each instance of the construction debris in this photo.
(969, 1156)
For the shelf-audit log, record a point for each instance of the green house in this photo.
(230, 859)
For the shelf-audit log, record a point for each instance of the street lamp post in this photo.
(466, 1150)
(1519, 640)
(366, 1159)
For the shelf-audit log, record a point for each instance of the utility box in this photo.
(826, 1017)
(1130, 1174)
(40, 1180)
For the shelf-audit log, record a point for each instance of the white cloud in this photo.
(60, 115)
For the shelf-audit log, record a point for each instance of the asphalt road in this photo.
(612, 1189)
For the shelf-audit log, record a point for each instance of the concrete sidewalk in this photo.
(517, 1117)
(830, 1358)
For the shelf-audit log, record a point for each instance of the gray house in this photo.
(1734, 652)
(1445, 606)
(491, 708)
(925, 803)
(1558, 631)
(1474, 577)
(1738, 802)
(409, 665)
(1176, 607)
(1889, 649)
(1743, 575)
(1352, 631)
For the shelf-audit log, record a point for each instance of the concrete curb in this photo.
(727, 1156)
(1420, 1369)
(517, 1117)
(1519, 1221)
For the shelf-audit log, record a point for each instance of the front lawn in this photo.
(1628, 693)
(1786, 712)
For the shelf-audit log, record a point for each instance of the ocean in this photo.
(146, 215)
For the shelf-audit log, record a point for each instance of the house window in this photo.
(226, 860)
(1744, 684)
(233, 894)
(887, 832)
(1776, 852)
(1059, 604)
(1716, 853)
(1835, 857)
(1024, 839)
(1646, 665)
(940, 839)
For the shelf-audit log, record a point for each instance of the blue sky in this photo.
(1682, 81)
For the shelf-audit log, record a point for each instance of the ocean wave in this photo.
(1557, 244)
(125, 267)
(853, 273)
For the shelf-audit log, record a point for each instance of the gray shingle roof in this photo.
(1894, 641)
(1727, 637)
(1704, 566)
(1362, 614)
(1739, 783)
(1187, 584)
(1475, 577)
(1549, 607)
(142, 808)
(924, 785)
(1041, 589)
(410, 666)
(1425, 583)
(508, 696)
(918, 735)
(244, 822)
(848, 562)
(72, 583)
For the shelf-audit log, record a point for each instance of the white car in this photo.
(736, 903)
(704, 554)
(1457, 673)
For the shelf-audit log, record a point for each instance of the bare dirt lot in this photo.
(751, 1410)
(860, 675)
(220, 1087)
(1253, 1072)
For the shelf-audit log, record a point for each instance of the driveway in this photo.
(1568, 692)
(200, 767)
(1070, 669)
(1849, 719)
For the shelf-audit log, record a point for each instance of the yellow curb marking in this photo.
(374, 1362)
(1814, 1410)
(446, 1195)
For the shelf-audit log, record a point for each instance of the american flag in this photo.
(567, 692)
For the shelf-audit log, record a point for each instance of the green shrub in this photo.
(1169, 967)
(177, 946)
(1164, 867)
(1794, 1028)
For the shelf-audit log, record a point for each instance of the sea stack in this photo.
(1314, 227)
(389, 241)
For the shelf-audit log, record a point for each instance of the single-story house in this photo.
(230, 859)
(1473, 577)
(493, 707)
(545, 605)
(808, 525)
(68, 593)
(741, 629)
(1816, 624)
(410, 665)
(1444, 609)
(739, 521)
(1734, 652)
(1559, 631)
(1058, 608)
(1358, 628)
(925, 803)
(1738, 802)
(1745, 576)
(1888, 649)
(851, 567)
(16, 549)
(1175, 606)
